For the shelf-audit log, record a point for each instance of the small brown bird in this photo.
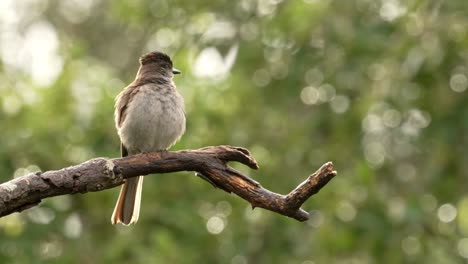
(149, 116)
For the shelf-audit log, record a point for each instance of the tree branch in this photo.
(210, 162)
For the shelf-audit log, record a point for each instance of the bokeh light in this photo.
(447, 213)
(215, 225)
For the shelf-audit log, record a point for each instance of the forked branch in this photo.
(210, 163)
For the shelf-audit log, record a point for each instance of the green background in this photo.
(377, 87)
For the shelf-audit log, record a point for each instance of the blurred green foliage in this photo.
(377, 87)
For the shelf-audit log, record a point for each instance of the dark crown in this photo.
(156, 57)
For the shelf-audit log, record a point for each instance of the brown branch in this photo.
(210, 162)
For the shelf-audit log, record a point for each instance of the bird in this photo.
(149, 116)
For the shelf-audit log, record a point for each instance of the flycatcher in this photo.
(149, 116)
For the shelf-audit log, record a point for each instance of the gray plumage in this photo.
(149, 116)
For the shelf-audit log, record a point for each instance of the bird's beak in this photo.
(176, 71)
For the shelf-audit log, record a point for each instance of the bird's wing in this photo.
(123, 101)
(123, 150)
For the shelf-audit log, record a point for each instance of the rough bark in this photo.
(210, 163)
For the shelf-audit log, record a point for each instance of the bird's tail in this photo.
(127, 208)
